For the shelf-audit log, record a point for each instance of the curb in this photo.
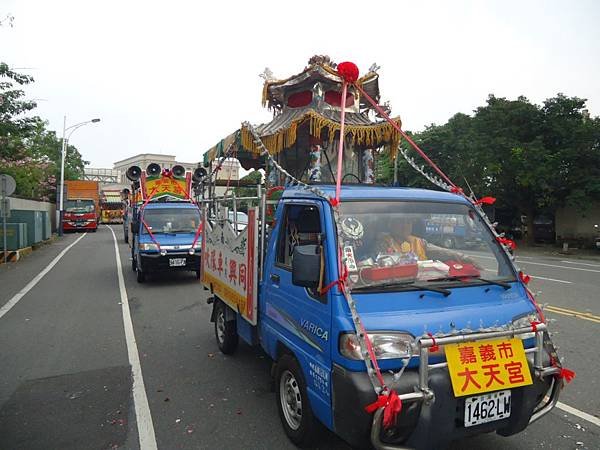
(15, 255)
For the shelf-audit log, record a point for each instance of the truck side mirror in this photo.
(306, 266)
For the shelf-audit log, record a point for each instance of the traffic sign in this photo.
(7, 185)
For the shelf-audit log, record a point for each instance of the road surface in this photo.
(92, 361)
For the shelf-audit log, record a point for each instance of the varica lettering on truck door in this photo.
(229, 266)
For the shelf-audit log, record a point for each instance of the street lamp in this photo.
(65, 139)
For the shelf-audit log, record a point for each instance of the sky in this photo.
(175, 77)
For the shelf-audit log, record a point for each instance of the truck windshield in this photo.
(79, 206)
(171, 220)
(395, 243)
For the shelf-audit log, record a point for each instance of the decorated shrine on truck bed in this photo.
(304, 134)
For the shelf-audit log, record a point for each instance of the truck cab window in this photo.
(301, 226)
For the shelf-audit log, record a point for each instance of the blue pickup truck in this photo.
(453, 331)
(165, 238)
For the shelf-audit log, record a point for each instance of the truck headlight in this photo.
(524, 321)
(198, 244)
(385, 345)
(149, 246)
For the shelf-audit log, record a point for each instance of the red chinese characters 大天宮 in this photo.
(468, 374)
(515, 372)
(492, 373)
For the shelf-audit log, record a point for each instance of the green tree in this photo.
(532, 158)
(28, 150)
(253, 178)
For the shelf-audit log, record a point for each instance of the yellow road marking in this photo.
(569, 312)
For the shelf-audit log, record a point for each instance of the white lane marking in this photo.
(140, 400)
(581, 264)
(19, 295)
(479, 256)
(560, 267)
(535, 277)
(580, 414)
(518, 259)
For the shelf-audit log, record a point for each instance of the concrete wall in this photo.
(572, 223)
(34, 205)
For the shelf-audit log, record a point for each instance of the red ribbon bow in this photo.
(392, 404)
(566, 374)
(434, 347)
(534, 324)
(508, 242)
(486, 201)
(524, 278)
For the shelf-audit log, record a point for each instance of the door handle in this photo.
(275, 278)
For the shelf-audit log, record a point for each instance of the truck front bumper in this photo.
(431, 416)
(155, 262)
(75, 225)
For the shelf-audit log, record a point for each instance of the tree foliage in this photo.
(29, 152)
(254, 178)
(532, 158)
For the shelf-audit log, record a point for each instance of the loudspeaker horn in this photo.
(153, 170)
(198, 174)
(133, 173)
(178, 171)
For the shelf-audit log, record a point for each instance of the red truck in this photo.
(81, 208)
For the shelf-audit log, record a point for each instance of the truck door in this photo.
(299, 317)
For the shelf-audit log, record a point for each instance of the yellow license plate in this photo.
(485, 366)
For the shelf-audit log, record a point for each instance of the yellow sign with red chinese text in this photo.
(156, 187)
(485, 366)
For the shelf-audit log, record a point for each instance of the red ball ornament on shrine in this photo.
(348, 71)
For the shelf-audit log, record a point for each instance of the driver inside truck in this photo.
(401, 239)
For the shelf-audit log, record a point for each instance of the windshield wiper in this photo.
(503, 284)
(421, 287)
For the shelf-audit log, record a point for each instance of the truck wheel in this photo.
(133, 263)
(292, 403)
(225, 331)
(140, 276)
(197, 274)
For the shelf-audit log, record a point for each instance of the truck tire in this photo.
(225, 330)
(139, 275)
(293, 405)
